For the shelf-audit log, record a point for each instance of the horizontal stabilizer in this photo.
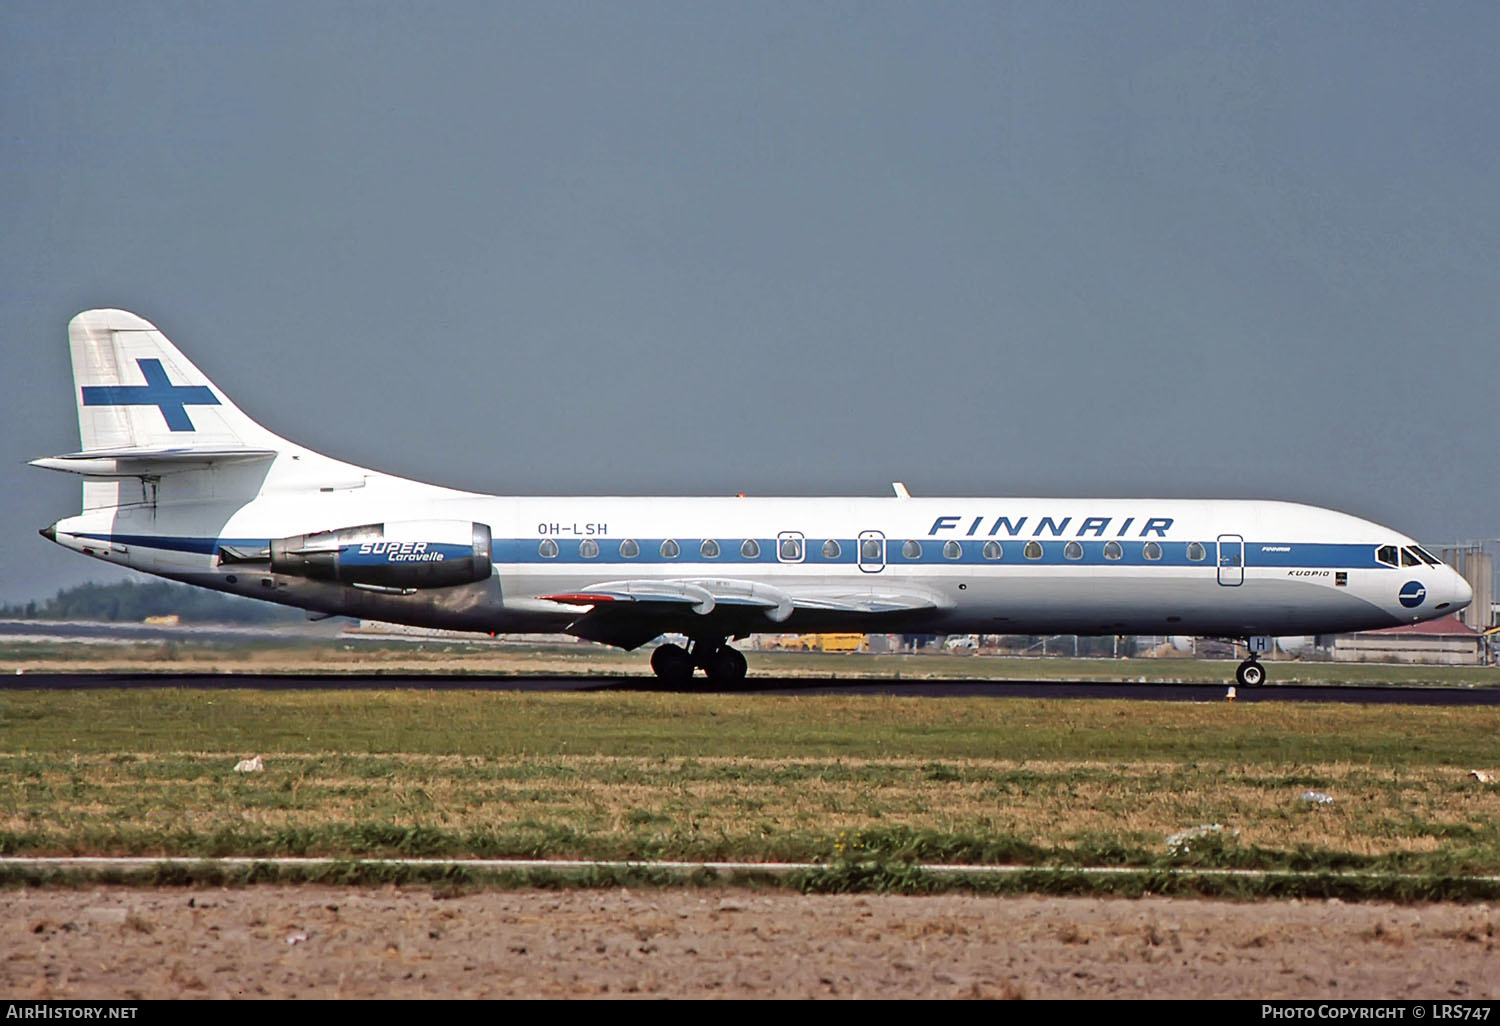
(148, 462)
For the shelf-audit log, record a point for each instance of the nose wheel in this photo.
(1250, 674)
(723, 665)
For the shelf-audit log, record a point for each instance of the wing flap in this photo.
(670, 593)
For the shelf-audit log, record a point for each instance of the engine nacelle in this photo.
(405, 554)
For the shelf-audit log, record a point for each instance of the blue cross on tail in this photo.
(158, 391)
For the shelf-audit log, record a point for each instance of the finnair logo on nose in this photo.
(158, 391)
(1412, 594)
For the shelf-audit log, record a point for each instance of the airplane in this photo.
(178, 482)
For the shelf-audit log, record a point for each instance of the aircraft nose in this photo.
(1462, 593)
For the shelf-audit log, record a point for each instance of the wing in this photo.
(631, 612)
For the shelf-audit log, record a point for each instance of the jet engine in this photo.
(400, 555)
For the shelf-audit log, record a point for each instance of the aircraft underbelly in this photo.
(1117, 603)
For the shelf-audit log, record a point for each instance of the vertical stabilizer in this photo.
(136, 391)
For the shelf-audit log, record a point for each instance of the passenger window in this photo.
(709, 549)
(1033, 550)
(911, 549)
(1151, 550)
(992, 550)
(751, 549)
(952, 550)
(1409, 558)
(588, 548)
(1196, 552)
(669, 549)
(1112, 550)
(629, 549)
(1072, 550)
(831, 549)
(789, 548)
(1386, 554)
(870, 550)
(548, 548)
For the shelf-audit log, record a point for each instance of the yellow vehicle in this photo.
(815, 643)
(836, 642)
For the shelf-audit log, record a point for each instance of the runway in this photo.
(999, 689)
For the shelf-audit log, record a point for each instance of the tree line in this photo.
(132, 601)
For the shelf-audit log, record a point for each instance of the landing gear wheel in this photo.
(1250, 674)
(672, 664)
(725, 666)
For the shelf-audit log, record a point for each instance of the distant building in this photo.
(1448, 642)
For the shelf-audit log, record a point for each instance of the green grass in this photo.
(866, 785)
(496, 724)
(445, 656)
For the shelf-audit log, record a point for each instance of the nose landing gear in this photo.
(723, 665)
(1250, 673)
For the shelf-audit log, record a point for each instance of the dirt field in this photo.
(323, 942)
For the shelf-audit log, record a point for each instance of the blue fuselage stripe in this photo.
(970, 552)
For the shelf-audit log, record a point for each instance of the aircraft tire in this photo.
(672, 664)
(1250, 674)
(726, 666)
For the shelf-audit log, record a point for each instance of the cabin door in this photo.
(1231, 560)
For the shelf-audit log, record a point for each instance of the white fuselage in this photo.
(993, 565)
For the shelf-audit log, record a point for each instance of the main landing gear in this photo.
(1250, 673)
(723, 665)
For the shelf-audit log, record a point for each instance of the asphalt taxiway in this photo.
(1130, 690)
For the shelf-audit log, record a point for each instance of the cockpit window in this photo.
(1427, 556)
(1409, 558)
(1386, 554)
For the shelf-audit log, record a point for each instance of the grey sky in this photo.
(1177, 249)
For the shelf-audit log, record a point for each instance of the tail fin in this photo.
(136, 391)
